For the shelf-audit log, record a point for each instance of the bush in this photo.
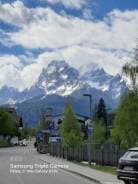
(4, 143)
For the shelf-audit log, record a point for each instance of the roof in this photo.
(133, 149)
(78, 115)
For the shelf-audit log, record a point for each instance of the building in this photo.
(85, 125)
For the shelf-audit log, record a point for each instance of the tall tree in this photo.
(101, 111)
(70, 129)
(125, 131)
(8, 125)
(98, 135)
(102, 114)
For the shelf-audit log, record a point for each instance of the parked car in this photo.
(128, 167)
(14, 141)
(23, 142)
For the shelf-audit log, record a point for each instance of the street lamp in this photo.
(89, 147)
(90, 98)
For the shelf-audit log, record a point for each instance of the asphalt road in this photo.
(21, 165)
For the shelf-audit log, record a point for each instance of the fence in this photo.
(101, 155)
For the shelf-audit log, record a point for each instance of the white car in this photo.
(23, 142)
(14, 141)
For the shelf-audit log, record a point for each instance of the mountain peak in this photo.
(57, 63)
(91, 67)
(119, 78)
(54, 66)
(58, 78)
(62, 79)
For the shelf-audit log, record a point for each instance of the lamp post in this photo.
(90, 99)
(88, 145)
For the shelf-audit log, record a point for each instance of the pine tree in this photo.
(101, 111)
(102, 114)
(70, 129)
(21, 122)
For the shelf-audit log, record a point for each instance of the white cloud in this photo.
(79, 41)
(73, 4)
(50, 30)
(10, 67)
(10, 60)
(4, 39)
(105, 59)
(15, 13)
(42, 28)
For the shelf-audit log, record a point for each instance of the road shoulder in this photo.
(83, 171)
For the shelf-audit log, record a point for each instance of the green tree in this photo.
(125, 131)
(27, 132)
(40, 126)
(70, 129)
(130, 70)
(101, 111)
(102, 115)
(98, 135)
(8, 125)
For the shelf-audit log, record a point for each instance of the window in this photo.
(130, 155)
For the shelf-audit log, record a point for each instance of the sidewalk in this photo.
(91, 174)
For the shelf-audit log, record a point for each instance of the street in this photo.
(16, 168)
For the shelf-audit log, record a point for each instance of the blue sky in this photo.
(99, 7)
(34, 32)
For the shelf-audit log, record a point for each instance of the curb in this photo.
(84, 176)
(77, 173)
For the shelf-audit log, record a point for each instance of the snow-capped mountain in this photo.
(61, 79)
(117, 87)
(96, 77)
